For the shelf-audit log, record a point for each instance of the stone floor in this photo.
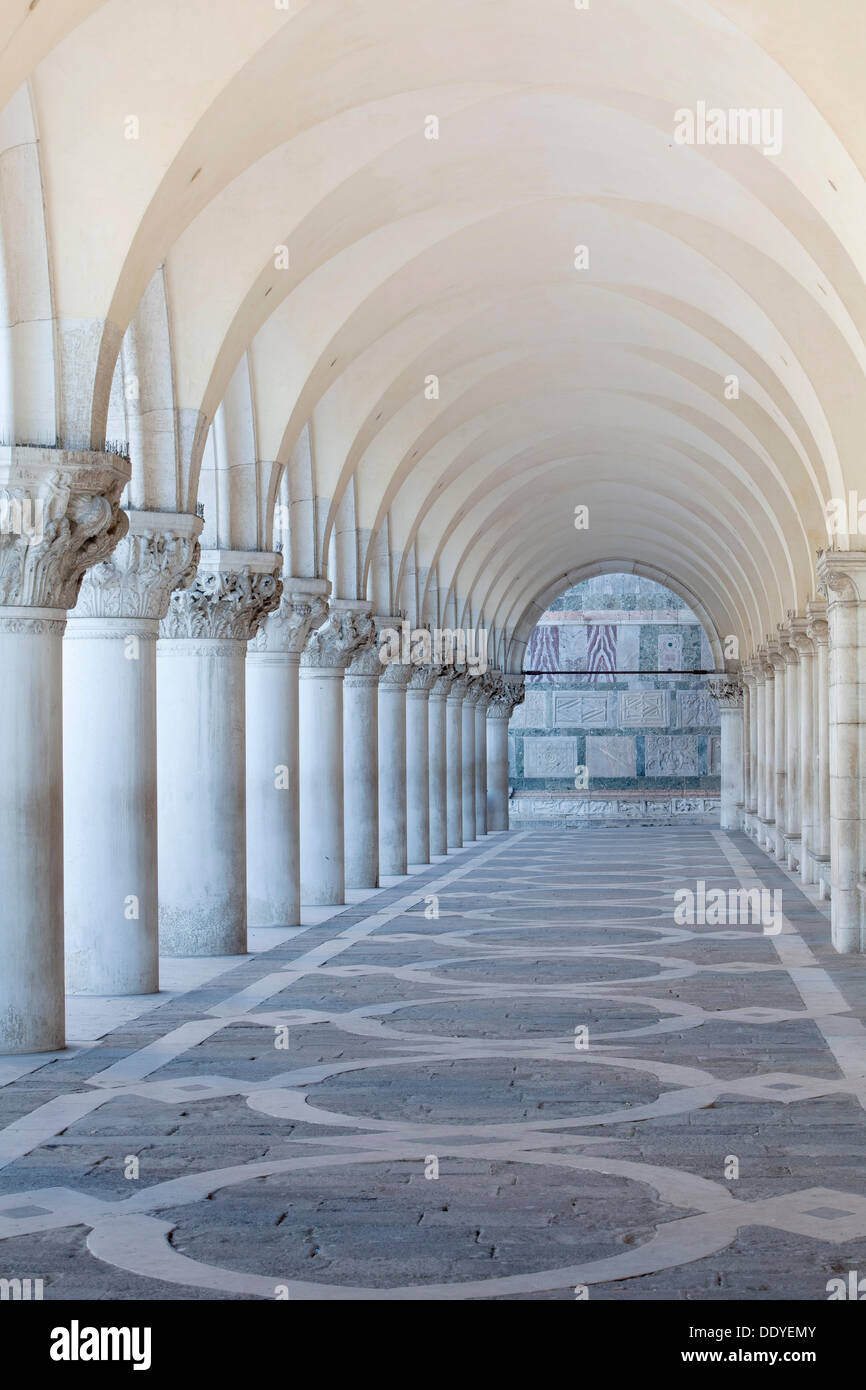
(191, 1154)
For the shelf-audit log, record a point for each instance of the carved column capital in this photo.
(365, 669)
(286, 630)
(460, 686)
(816, 618)
(786, 644)
(423, 679)
(226, 603)
(59, 514)
(396, 676)
(798, 636)
(727, 691)
(159, 553)
(842, 576)
(775, 655)
(504, 702)
(475, 691)
(764, 667)
(445, 678)
(346, 633)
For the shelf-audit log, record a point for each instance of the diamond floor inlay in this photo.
(514, 1075)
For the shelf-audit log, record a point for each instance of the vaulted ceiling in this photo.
(384, 338)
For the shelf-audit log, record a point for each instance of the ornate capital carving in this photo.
(445, 678)
(395, 676)
(765, 671)
(774, 655)
(287, 628)
(842, 575)
(816, 619)
(423, 679)
(727, 691)
(786, 644)
(460, 686)
(341, 638)
(222, 604)
(798, 636)
(504, 701)
(365, 668)
(475, 691)
(154, 558)
(59, 514)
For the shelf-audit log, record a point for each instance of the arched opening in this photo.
(619, 723)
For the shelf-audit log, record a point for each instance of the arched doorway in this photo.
(618, 724)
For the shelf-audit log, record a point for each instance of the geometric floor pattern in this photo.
(513, 1076)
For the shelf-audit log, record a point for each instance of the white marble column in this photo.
(392, 767)
(272, 786)
(201, 741)
(760, 787)
(819, 632)
(768, 823)
(325, 657)
(487, 688)
(418, 763)
(361, 768)
(747, 771)
(767, 827)
(780, 748)
(728, 693)
(470, 704)
(503, 702)
(806, 750)
(842, 575)
(454, 760)
(792, 840)
(111, 873)
(60, 514)
(751, 751)
(439, 762)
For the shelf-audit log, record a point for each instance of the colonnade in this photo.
(793, 745)
(233, 746)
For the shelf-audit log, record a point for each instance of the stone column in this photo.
(780, 748)
(842, 575)
(750, 789)
(806, 751)
(418, 770)
(760, 787)
(768, 820)
(326, 655)
(488, 685)
(747, 771)
(273, 806)
(439, 762)
(111, 877)
(728, 694)
(454, 759)
(470, 704)
(792, 842)
(503, 703)
(361, 768)
(819, 632)
(59, 514)
(392, 767)
(201, 728)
